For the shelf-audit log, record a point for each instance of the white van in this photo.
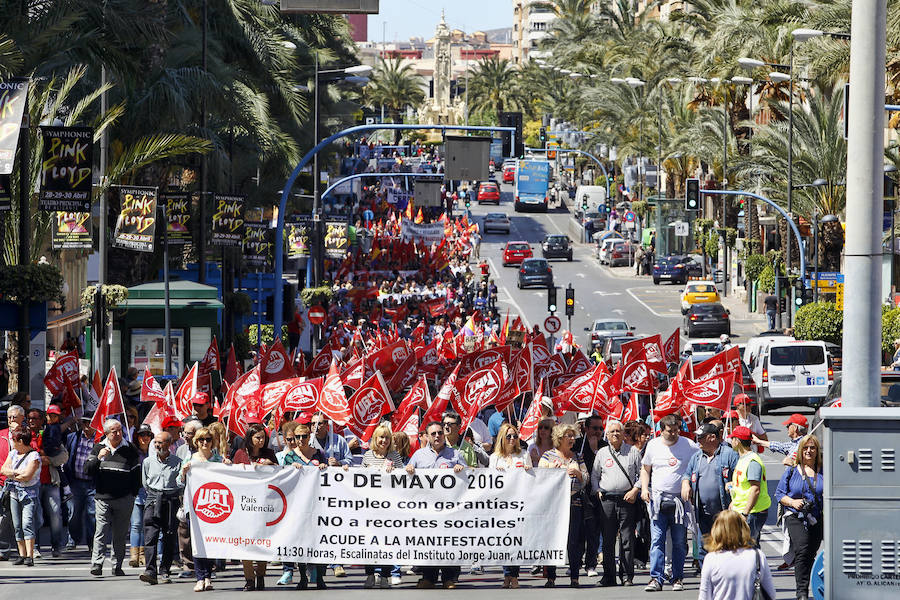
(792, 372)
(596, 196)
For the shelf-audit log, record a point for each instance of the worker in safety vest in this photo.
(749, 494)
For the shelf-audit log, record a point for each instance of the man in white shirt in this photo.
(665, 461)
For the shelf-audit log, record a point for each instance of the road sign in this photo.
(629, 216)
(839, 297)
(681, 228)
(552, 324)
(316, 315)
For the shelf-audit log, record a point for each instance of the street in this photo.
(599, 292)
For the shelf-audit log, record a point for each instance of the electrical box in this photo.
(862, 503)
(467, 158)
(427, 192)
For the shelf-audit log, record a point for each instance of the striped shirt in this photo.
(372, 461)
(82, 453)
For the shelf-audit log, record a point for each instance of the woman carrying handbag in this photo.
(734, 569)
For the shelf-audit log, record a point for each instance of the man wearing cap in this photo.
(116, 468)
(79, 445)
(796, 429)
(749, 493)
(200, 401)
(746, 418)
(704, 481)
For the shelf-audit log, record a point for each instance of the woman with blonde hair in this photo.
(733, 564)
(220, 437)
(801, 493)
(382, 456)
(563, 456)
(401, 445)
(508, 454)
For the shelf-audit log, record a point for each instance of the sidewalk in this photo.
(736, 303)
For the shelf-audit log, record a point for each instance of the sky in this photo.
(409, 18)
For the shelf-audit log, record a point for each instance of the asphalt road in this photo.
(600, 292)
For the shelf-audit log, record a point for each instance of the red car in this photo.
(516, 252)
(488, 192)
(509, 174)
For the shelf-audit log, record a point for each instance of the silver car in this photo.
(496, 222)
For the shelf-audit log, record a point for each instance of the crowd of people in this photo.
(645, 492)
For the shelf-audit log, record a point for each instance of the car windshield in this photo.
(708, 308)
(518, 246)
(535, 265)
(488, 187)
(703, 346)
(611, 326)
(495, 216)
(701, 289)
(796, 355)
(615, 345)
(556, 239)
(670, 260)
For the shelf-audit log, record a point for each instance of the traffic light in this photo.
(551, 299)
(570, 301)
(611, 178)
(584, 202)
(468, 201)
(692, 194)
(782, 304)
(543, 136)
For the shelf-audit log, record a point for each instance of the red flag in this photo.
(667, 403)
(715, 365)
(354, 373)
(713, 391)
(554, 365)
(636, 374)
(272, 394)
(70, 398)
(209, 363)
(66, 368)
(320, 364)
(653, 354)
(533, 416)
(428, 357)
(479, 390)
(150, 390)
(579, 364)
(417, 397)
(672, 347)
(539, 348)
(238, 400)
(368, 405)
(276, 364)
(332, 401)
(232, 368)
(186, 391)
(522, 371)
(482, 358)
(437, 408)
(405, 375)
(303, 397)
(161, 410)
(411, 428)
(97, 386)
(578, 394)
(632, 411)
(110, 404)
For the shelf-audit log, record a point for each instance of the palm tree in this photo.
(494, 87)
(395, 85)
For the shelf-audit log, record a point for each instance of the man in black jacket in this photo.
(115, 467)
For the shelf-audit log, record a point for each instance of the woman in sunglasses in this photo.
(543, 441)
(508, 454)
(206, 452)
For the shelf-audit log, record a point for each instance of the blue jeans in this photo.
(665, 522)
(81, 511)
(136, 536)
(23, 515)
(50, 513)
(770, 317)
(704, 523)
(756, 521)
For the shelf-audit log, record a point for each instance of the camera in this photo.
(806, 506)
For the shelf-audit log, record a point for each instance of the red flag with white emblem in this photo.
(653, 354)
(368, 405)
(65, 368)
(239, 398)
(354, 373)
(417, 397)
(405, 375)
(437, 408)
(479, 390)
(713, 391)
(186, 391)
(579, 364)
(533, 416)
(578, 394)
(672, 346)
(232, 368)
(150, 390)
(332, 400)
(209, 363)
(276, 364)
(320, 364)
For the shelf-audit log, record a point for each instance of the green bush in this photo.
(319, 295)
(819, 321)
(766, 279)
(266, 333)
(754, 265)
(711, 244)
(890, 328)
(22, 284)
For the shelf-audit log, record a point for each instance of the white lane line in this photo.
(512, 300)
(552, 222)
(645, 305)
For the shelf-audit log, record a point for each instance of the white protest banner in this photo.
(421, 232)
(371, 517)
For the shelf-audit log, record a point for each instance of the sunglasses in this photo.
(203, 440)
(450, 424)
(289, 439)
(304, 436)
(512, 436)
(436, 433)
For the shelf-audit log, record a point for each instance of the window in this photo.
(796, 355)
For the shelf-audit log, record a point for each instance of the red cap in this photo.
(200, 398)
(731, 413)
(797, 419)
(742, 433)
(170, 422)
(53, 409)
(304, 418)
(742, 399)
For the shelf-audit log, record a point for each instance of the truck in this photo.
(532, 185)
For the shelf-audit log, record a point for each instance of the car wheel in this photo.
(570, 257)
(518, 207)
(519, 284)
(762, 401)
(655, 281)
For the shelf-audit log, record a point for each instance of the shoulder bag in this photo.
(758, 592)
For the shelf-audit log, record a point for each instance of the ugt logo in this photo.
(213, 502)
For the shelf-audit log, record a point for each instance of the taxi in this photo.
(698, 292)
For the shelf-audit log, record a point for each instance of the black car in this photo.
(707, 320)
(556, 246)
(671, 268)
(535, 271)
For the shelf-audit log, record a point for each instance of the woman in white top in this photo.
(23, 472)
(381, 456)
(730, 568)
(508, 454)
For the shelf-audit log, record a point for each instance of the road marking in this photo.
(599, 293)
(645, 305)
(618, 311)
(512, 300)
(579, 275)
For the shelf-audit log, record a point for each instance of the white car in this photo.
(700, 349)
(496, 222)
(601, 329)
